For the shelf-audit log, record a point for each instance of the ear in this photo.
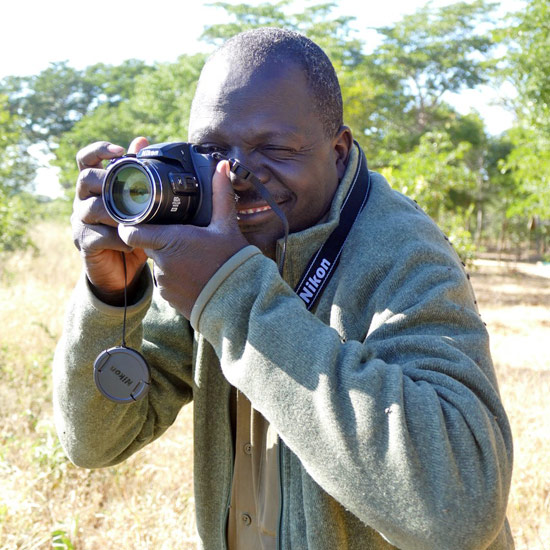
(342, 144)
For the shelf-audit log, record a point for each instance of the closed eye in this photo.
(279, 152)
(276, 148)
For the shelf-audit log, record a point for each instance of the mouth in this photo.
(254, 210)
(254, 213)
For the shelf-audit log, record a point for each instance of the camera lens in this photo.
(164, 183)
(131, 191)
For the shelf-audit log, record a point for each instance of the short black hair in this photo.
(273, 45)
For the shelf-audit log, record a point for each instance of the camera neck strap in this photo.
(322, 264)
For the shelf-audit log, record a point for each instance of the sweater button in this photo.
(247, 447)
(246, 519)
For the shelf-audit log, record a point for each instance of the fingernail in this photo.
(223, 166)
(116, 149)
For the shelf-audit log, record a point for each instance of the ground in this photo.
(147, 502)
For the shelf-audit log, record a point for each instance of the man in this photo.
(373, 421)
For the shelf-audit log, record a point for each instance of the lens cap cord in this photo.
(123, 342)
(121, 373)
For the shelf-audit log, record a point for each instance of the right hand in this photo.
(95, 232)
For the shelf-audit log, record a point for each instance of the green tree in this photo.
(15, 216)
(470, 129)
(16, 173)
(17, 167)
(430, 53)
(526, 63)
(415, 136)
(527, 67)
(50, 103)
(436, 175)
(333, 34)
(529, 162)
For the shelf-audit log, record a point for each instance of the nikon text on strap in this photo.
(321, 266)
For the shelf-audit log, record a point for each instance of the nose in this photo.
(247, 164)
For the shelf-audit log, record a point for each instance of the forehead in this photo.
(234, 99)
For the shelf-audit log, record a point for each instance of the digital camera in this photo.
(163, 183)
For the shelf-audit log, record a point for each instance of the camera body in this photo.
(164, 183)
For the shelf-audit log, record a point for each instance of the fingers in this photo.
(88, 206)
(92, 155)
(158, 237)
(90, 159)
(90, 180)
(92, 211)
(94, 231)
(92, 238)
(89, 183)
(137, 145)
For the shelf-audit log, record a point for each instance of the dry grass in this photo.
(147, 502)
(514, 300)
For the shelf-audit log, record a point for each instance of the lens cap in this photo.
(121, 374)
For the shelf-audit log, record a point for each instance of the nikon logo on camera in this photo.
(150, 153)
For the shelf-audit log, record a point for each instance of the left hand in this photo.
(187, 256)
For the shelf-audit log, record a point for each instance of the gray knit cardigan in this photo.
(392, 431)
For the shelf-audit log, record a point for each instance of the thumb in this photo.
(145, 236)
(223, 195)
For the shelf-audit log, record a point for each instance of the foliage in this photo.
(529, 162)
(430, 53)
(527, 67)
(332, 34)
(396, 99)
(527, 61)
(434, 49)
(432, 173)
(10, 131)
(50, 103)
(435, 175)
(17, 168)
(16, 172)
(15, 215)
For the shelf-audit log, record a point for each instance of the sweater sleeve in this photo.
(94, 431)
(402, 422)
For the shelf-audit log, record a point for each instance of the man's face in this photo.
(267, 122)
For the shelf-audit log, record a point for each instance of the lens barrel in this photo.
(149, 191)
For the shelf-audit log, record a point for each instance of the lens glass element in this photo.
(131, 190)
